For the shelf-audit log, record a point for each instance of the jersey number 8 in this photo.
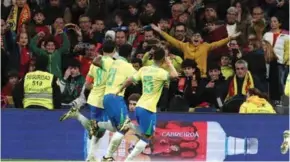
(99, 78)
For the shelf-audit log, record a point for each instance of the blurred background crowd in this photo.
(215, 71)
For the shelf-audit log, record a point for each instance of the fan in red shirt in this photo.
(37, 24)
(91, 51)
(24, 52)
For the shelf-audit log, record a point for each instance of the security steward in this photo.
(38, 89)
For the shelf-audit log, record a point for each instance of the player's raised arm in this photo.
(173, 73)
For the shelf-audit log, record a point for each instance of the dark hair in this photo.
(13, 73)
(82, 16)
(136, 60)
(212, 66)
(159, 54)
(40, 42)
(257, 7)
(18, 36)
(279, 18)
(257, 92)
(132, 20)
(121, 31)
(38, 11)
(109, 46)
(125, 50)
(148, 29)
(197, 32)
(152, 3)
(180, 24)
(50, 39)
(245, 9)
(134, 97)
(74, 63)
(99, 19)
(188, 63)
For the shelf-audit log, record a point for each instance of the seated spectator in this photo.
(132, 101)
(213, 86)
(256, 103)
(185, 91)
(13, 79)
(242, 81)
(72, 82)
(226, 68)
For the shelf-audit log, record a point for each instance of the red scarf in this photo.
(182, 82)
(247, 84)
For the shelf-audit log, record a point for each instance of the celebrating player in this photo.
(96, 78)
(153, 79)
(115, 106)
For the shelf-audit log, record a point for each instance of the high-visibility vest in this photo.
(38, 89)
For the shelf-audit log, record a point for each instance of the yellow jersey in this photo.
(99, 75)
(153, 79)
(119, 72)
(256, 105)
(176, 61)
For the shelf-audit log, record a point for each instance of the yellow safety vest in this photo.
(38, 89)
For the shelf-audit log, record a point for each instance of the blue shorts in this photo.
(146, 120)
(116, 109)
(97, 113)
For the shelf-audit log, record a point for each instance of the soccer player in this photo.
(115, 105)
(153, 79)
(96, 79)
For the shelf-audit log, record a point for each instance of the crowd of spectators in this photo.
(199, 36)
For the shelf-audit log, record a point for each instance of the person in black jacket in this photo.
(22, 96)
(275, 92)
(185, 92)
(213, 87)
